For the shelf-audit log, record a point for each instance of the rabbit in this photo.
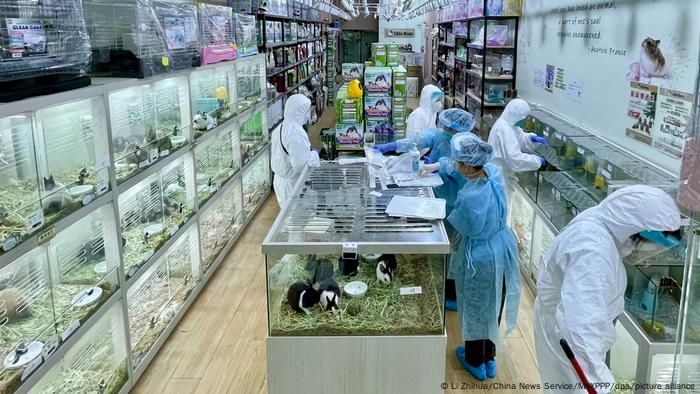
(330, 294)
(324, 270)
(385, 268)
(57, 196)
(348, 267)
(301, 297)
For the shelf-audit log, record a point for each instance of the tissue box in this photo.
(378, 106)
(377, 81)
(349, 134)
(352, 71)
(398, 110)
(379, 54)
(412, 86)
(399, 81)
(392, 55)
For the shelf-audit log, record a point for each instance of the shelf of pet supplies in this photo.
(207, 136)
(162, 251)
(43, 234)
(476, 98)
(494, 47)
(66, 345)
(490, 77)
(274, 71)
(303, 81)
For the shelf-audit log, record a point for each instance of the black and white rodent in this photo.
(330, 294)
(386, 268)
(301, 297)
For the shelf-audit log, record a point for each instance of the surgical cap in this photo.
(470, 149)
(457, 119)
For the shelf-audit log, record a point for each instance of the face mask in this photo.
(437, 106)
(520, 123)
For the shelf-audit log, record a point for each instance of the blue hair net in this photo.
(470, 149)
(457, 119)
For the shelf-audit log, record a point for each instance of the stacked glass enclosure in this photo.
(218, 160)
(213, 92)
(257, 179)
(219, 223)
(254, 134)
(582, 170)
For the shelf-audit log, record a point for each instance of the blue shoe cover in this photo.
(451, 305)
(491, 369)
(479, 373)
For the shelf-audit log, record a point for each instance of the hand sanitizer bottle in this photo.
(415, 160)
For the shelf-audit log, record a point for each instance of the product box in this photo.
(392, 55)
(476, 8)
(377, 106)
(295, 31)
(398, 110)
(278, 32)
(270, 31)
(349, 134)
(288, 31)
(379, 54)
(399, 75)
(347, 110)
(504, 7)
(379, 131)
(412, 86)
(352, 71)
(377, 81)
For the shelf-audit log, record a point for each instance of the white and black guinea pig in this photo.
(301, 297)
(386, 268)
(348, 267)
(330, 294)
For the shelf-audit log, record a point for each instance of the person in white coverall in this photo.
(291, 149)
(512, 147)
(425, 116)
(581, 285)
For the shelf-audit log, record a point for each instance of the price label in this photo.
(606, 174)
(17, 55)
(154, 154)
(546, 133)
(165, 153)
(70, 330)
(165, 60)
(414, 290)
(580, 151)
(145, 163)
(610, 167)
(376, 194)
(557, 195)
(35, 220)
(102, 187)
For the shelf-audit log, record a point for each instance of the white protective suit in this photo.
(425, 116)
(291, 149)
(511, 144)
(581, 285)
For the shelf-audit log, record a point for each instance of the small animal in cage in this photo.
(386, 268)
(57, 197)
(10, 307)
(203, 122)
(134, 155)
(82, 175)
(221, 95)
(302, 297)
(330, 294)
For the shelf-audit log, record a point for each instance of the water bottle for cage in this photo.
(415, 160)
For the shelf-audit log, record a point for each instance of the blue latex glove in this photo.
(538, 140)
(426, 160)
(385, 148)
(543, 161)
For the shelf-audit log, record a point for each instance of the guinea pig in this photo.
(385, 268)
(301, 297)
(330, 294)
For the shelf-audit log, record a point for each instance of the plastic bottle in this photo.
(415, 160)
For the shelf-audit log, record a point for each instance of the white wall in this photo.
(598, 65)
(418, 40)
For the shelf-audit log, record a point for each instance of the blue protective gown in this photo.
(486, 255)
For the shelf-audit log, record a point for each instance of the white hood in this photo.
(296, 109)
(634, 209)
(426, 97)
(515, 111)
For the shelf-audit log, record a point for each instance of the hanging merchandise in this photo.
(44, 48)
(245, 35)
(218, 43)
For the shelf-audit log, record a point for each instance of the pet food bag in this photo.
(378, 81)
(378, 106)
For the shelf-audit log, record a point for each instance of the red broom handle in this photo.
(582, 376)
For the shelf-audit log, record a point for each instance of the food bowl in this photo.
(100, 268)
(79, 191)
(356, 289)
(372, 258)
(153, 229)
(87, 297)
(178, 139)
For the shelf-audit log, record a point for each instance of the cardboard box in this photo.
(392, 55)
(378, 106)
(352, 71)
(379, 54)
(377, 81)
(347, 110)
(270, 31)
(398, 110)
(349, 134)
(399, 75)
(278, 32)
(379, 131)
(476, 8)
(412, 86)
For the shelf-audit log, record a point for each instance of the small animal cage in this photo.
(215, 24)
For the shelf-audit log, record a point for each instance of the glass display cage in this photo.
(72, 156)
(141, 38)
(142, 223)
(95, 364)
(333, 218)
(218, 160)
(178, 185)
(21, 213)
(157, 296)
(254, 134)
(542, 237)
(257, 180)
(521, 218)
(219, 223)
(149, 122)
(46, 42)
(560, 198)
(213, 98)
(251, 82)
(217, 35)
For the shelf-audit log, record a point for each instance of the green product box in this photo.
(392, 55)
(379, 54)
(399, 75)
(377, 81)
(288, 31)
(398, 110)
(347, 110)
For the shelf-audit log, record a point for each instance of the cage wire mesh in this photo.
(215, 23)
